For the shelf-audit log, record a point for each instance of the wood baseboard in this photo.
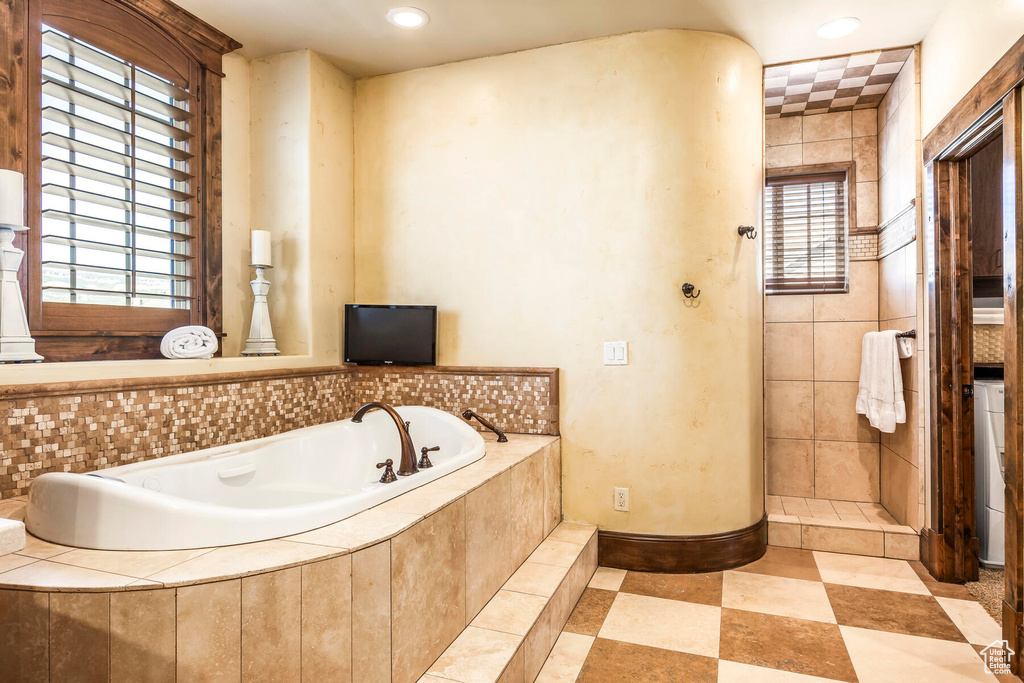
(682, 554)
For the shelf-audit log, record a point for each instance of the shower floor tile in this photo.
(830, 510)
(669, 627)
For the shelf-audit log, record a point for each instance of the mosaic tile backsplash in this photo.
(63, 429)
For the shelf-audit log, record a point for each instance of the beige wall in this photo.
(236, 160)
(331, 202)
(966, 40)
(280, 128)
(554, 199)
(287, 167)
(302, 146)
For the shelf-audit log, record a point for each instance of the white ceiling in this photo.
(355, 35)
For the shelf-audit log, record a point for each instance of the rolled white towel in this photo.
(190, 341)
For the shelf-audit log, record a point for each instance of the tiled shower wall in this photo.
(827, 139)
(901, 287)
(816, 445)
(91, 425)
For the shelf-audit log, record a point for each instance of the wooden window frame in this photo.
(113, 332)
(808, 173)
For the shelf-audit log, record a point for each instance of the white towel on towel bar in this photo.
(190, 341)
(880, 393)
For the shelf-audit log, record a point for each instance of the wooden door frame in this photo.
(949, 542)
(994, 102)
(1013, 325)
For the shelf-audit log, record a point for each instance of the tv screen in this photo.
(393, 335)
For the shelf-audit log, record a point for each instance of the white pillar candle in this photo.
(261, 247)
(12, 198)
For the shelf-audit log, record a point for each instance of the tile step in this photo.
(511, 637)
(854, 538)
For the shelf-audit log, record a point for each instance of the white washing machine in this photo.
(988, 469)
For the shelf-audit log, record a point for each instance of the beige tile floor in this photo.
(793, 616)
(833, 510)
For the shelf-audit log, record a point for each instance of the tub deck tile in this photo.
(137, 563)
(53, 576)
(359, 531)
(236, 561)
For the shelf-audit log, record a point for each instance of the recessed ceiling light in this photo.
(837, 28)
(408, 17)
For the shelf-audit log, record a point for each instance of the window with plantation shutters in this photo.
(116, 180)
(805, 225)
(116, 125)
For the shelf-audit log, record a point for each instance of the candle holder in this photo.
(261, 337)
(16, 342)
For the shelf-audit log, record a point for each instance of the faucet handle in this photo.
(389, 473)
(424, 460)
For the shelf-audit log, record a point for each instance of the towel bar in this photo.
(912, 334)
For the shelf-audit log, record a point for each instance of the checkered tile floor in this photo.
(793, 616)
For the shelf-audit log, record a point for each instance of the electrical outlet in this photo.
(621, 501)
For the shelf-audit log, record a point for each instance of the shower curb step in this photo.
(511, 637)
(853, 538)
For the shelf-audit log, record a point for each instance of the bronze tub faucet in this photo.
(468, 415)
(408, 463)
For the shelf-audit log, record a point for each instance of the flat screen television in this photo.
(390, 335)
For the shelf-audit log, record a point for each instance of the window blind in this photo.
(805, 234)
(116, 180)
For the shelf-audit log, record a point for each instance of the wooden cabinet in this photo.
(985, 177)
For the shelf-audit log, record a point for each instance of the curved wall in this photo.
(554, 199)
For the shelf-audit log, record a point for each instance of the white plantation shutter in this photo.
(805, 234)
(117, 198)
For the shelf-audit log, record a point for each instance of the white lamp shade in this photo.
(12, 198)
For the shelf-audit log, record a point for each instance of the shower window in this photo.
(805, 225)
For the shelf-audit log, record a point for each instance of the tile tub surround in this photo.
(84, 426)
(794, 615)
(355, 600)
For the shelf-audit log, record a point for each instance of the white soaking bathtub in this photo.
(249, 491)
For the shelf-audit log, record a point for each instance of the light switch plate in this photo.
(616, 353)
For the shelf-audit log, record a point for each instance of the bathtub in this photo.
(250, 491)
